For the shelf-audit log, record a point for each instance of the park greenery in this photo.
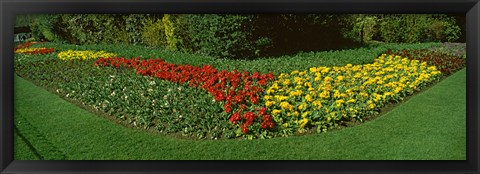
(227, 77)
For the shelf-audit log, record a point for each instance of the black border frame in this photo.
(10, 8)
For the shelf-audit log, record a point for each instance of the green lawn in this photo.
(431, 125)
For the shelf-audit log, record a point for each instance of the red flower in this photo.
(227, 107)
(263, 111)
(235, 118)
(244, 128)
(232, 87)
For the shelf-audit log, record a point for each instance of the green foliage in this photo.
(134, 28)
(43, 27)
(364, 27)
(445, 29)
(418, 28)
(24, 20)
(153, 32)
(401, 28)
(81, 135)
(223, 36)
(95, 28)
(151, 103)
(170, 32)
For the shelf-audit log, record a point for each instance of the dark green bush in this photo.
(95, 28)
(245, 36)
(133, 25)
(224, 36)
(44, 27)
(401, 28)
(293, 33)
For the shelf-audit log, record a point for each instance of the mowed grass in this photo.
(429, 126)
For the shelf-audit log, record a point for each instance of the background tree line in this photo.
(244, 36)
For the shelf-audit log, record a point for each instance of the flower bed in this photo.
(323, 96)
(34, 50)
(446, 63)
(204, 102)
(239, 92)
(24, 45)
(84, 55)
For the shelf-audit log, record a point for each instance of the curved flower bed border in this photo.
(320, 97)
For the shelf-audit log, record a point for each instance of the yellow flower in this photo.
(325, 70)
(324, 95)
(268, 97)
(285, 105)
(358, 75)
(339, 102)
(318, 104)
(336, 94)
(287, 82)
(398, 89)
(305, 114)
(308, 98)
(302, 106)
(298, 80)
(326, 79)
(276, 112)
(296, 113)
(269, 103)
(340, 78)
(304, 122)
(307, 84)
(351, 101)
(83, 55)
(280, 97)
(363, 94)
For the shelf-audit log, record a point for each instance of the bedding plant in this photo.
(201, 101)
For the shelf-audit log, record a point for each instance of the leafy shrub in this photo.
(363, 29)
(153, 32)
(133, 27)
(418, 28)
(223, 36)
(94, 28)
(401, 28)
(44, 27)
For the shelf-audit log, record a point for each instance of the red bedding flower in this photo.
(236, 88)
